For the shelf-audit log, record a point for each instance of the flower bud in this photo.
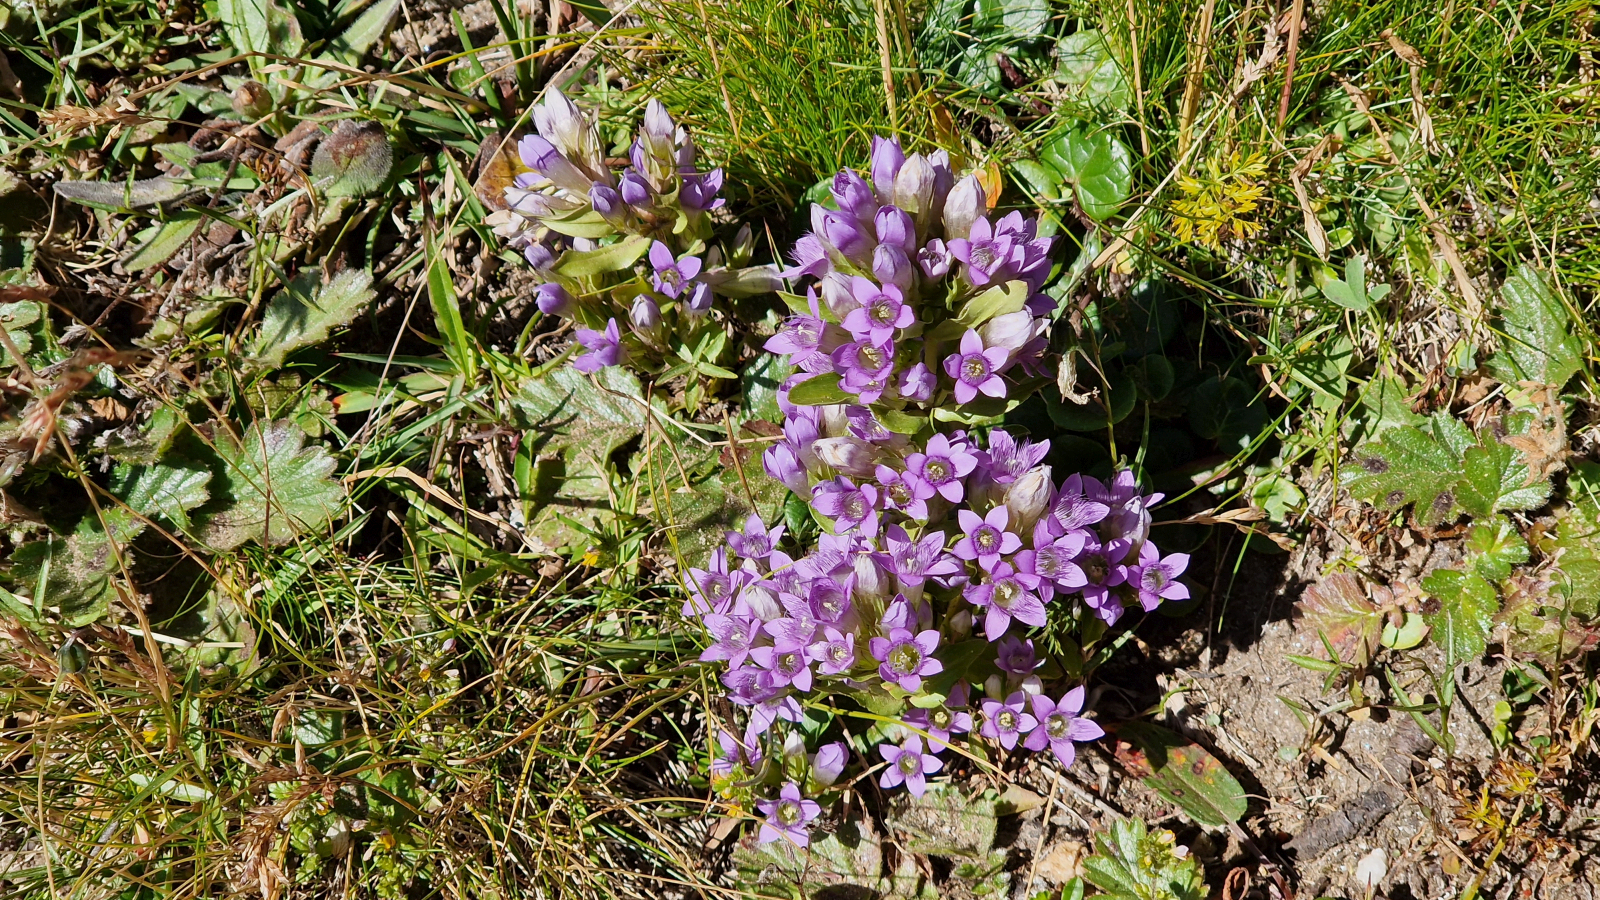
(994, 687)
(894, 226)
(887, 158)
(1028, 497)
(854, 196)
(699, 300)
(636, 191)
(841, 233)
(837, 294)
(960, 625)
(828, 763)
(251, 101)
(913, 189)
(656, 135)
(891, 266)
(871, 581)
(1031, 686)
(608, 203)
(645, 315)
(782, 462)
(963, 207)
(1010, 331)
(835, 420)
(744, 245)
(554, 300)
(539, 256)
(850, 456)
(917, 383)
(561, 124)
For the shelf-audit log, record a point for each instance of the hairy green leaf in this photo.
(1340, 610)
(1409, 466)
(1493, 549)
(1538, 345)
(73, 572)
(306, 311)
(1467, 605)
(118, 196)
(1575, 549)
(1494, 478)
(269, 487)
(169, 238)
(164, 491)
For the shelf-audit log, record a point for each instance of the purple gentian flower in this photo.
(908, 765)
(986, 254)
(903, 614)
(914, 562)
(906, 658)
(986, 539)
(635, 190)
(836, 653)
(757, 542)
(712, 589)
(975, 369)
(1129, 518)
(1007, 460)
(1102, 568)
(895, 229)
(1074, 508)
(865, 367)
(843, 234)
(944, 720)
(892, 266)
(854, 196)
(1060, 726)
(810, 258)
(605, 348)
(699, 192)
(645, 314)
(1005, 722)
(782, 462)
(934, 260)
(1157, 577)
(887, 158)
(734, 634)
(917, 383)
(826, 600)
(1006, 595)
(847, 505)
(542, 156)
(1052, 561)
(805, 339)
(1016, 655)
(784, 668)
(905, 492)
(942, 466)
(554, 300)
(881, 311)
(736, 756)
(672, 276)
(788, 817)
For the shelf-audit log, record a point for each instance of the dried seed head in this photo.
(355, 159)
(251, 101)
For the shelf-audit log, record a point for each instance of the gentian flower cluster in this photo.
(942, 552)
(626, 252)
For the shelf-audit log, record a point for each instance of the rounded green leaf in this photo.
(1088, 70)
(1099, 167)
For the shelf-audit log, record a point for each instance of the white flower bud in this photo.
(994, 687)
(871, 580)
(1010, 331)
(913, 187)
(1028, 497)
(834, 421)
(1032, 686)
(963, 207)
(850, 456)
(960, 625)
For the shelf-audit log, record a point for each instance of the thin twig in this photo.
(1297, 14)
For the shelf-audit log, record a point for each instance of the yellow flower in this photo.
(1217, 206)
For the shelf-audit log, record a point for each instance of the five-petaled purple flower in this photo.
(908, 765)
(882, 311)
(1006, 595)
(847, 505)
(1008, 721)
(757, 542)
(986, 539)
(976, 369)
(605, 348)
(906, 658)
(1060, 727)
(865, 368)
(943, 466)
(788, 817)
(1156, 577)
(672, 275)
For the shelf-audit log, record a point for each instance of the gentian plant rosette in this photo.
(943, 550)
(626, 250)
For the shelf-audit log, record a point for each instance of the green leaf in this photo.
(260, 26)
(820, 390)
(849, 857)
(1187, 775)
(1466, 612)
(1338, 608)
(1575, 550)
(574, 425)
(306, 310)
(1538, 343)
(1091, 73)
(1131, 863)
(73, 572)
(1493, 549)
(169, 238)
(945, 822)
(761, 381)
(1385, 404)
(1099, 167)
(164, 492)
(900, 422)
(364, 33)
(15, 319)
(610, 258)
(118, 196)
(269, 487)
(1226, 410)
(1015, 19)
(1408, 466)
(1494, 478)
(996, 301)
(1041, 180)
(447, 313)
